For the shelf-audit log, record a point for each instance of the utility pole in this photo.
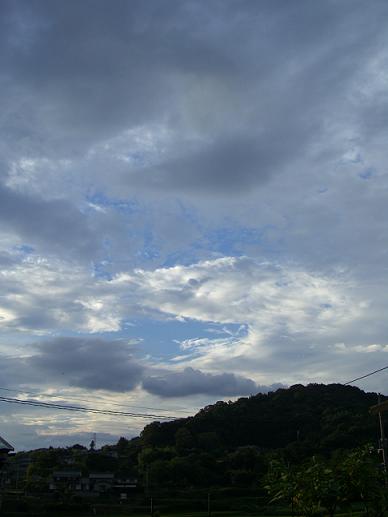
(5, 449)
(382, 439)
(2, 460)
(379, 408)
(147, 479)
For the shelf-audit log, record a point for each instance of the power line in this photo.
(32, 392)
(85, 409)
(366, 375)
(50, 405)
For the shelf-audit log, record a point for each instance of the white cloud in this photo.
(241, 290)
(141, 195)
(279, 309)
(51, 295)
(342, 348)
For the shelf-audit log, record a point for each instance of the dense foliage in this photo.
(324, 485)
(312, 418)
(231, 444)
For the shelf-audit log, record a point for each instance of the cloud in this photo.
(57, 224)
(242, 290)
(38, 428)
(154, 170)
(108, 75)
(89, 363)
(249, 109)
(43, 295)
(232, 164)
(288, 320)
(342, 348)
(194, 382)
(158, 103)
(12, 370)
(98, 364)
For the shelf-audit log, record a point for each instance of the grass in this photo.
(217, 514)
(204, 514)
(192, 514)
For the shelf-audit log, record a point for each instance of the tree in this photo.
(320, 484)
(281, 483)
(122, 446)
(184, 440)
(365, 480)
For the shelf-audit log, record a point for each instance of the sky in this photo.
(193, 206)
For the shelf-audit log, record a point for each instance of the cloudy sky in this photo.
(193, 205)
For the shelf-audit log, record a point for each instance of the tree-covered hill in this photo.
(305, 440)
(229, 444)
(313, 418)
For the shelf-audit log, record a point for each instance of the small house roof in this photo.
(66, 474)
(5, 446)
(101, 475)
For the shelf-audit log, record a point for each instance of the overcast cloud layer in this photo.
(193, 204)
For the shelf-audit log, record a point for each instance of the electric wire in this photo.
(51, 395)
(366, 375)
(84, 409)
(88, 409)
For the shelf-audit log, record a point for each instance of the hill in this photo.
(313, 418)
(227, 444)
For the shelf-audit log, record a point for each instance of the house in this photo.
(5, 449)
(124, 487)
(69, 480)
(18, 467)
(73, 481)
(92, 485)
(101, 482)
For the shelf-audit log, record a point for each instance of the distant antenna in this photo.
(95, 440)
(92, 446)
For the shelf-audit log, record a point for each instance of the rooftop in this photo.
(67, 474)
(5, 446)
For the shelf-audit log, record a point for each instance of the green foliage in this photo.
(122, 446)
(320, 486)
(281, 483)
(43, 463)
(209, 441)
(366, 480)
(231, 444)
(97, 462)
(184, 440)
(304, 419)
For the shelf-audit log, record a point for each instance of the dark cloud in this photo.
(270, 116)
(14, 372)
(256, 82)
(7, 260)
(109, 365)
(195, 382)
(56, 224)
(88, 363)
(232, 164)
(89, 70)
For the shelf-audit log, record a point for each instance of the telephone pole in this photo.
(379, 408)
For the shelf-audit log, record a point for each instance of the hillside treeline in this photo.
(230, 444)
